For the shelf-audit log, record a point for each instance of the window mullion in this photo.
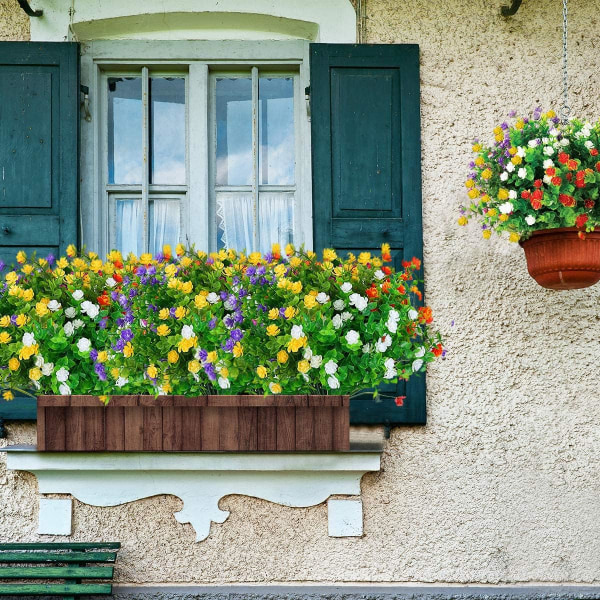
(145, 155)
(255, 138)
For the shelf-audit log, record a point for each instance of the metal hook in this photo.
(85, 103)
(509, 11)
(28, 10)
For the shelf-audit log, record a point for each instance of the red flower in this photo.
(416, 262)
(405, 263)
(563, 158)
(593, 151)
(551, 171)
(386, 257)
(536, 204)
(566, 200)
(598, 166)
(569, 176)
(580, 183)
(572, 164)
(538, 183)
(399, 400)
(537, 195)
(581, 220)
(118, 264)
(581, 235)
(525, 194)
(386, 270)
(556, 181)
(372, 292)
(117, 277)
(103, 300)
(385, 287)
(401, 289)
(580, 175)
(425, 315)
(589, 204)
(437, 350)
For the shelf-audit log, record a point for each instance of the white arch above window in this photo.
(332, 21)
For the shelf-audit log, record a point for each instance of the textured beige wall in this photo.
(503, 485)
(14, 23)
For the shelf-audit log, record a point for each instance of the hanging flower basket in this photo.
(540, 183)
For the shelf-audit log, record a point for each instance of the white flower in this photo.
(339, 305)
(36, 384)
(503, 176)
(297, 332)
(390, 374)
(548, 151)
(230, 303)
(272, 388)
(307, 353)
(64, 389)
(85, 305)
(533, 143)
(417, 364)
(506, 208)
(77, 294)
(337, 321)
(346, 316)
(331, 367)
(564, 142)
(553, 131)
(212, 298)
(93, 311)
(392, 326)
(521, 152)
(522, 173)
(412, 314)
(53, 305)
(110, 282)
(333, 382)
(77, 323)
(545, 140)
(346, 287)
(393, 315)
(28, 339)
(366, 348)
(548, 163)
(589, 144)
(383, 343)
(84, 344)
(510, 167)
(187, 332)
(352, 337)
(360, 302)
(47, 369)
(39, 360)
(379, 274)
(70, 312)
(224, 383)
(512, 194)
(316, 361)
(121, 381)
(62, 375)
(420, 353)
(322, 297)
(547, 179)
(69, 329)
(390, 369)
(530, 219)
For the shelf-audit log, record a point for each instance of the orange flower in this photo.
(425, 314)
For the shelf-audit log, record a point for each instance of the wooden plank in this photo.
(191, 433)
(317, 400)
(229, 428)
(41, 428)
(248, 428)
(305, 428)
(172, 428)
(54, 400)
(114, 428)
(286, 428)
(323, 423)
(59, 545)
(267, 428)
(124, 401)
(54, 589)
(56, 572)
(134, 425)
(152, 426)
(75, 428)
(92, 401)
(341, 428)
(94, 428)
(58, 557)
(210, 428)
(223, 400)
(55, 428)
(189, 400)
(156, 401)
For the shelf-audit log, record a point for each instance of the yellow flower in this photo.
(128, 350)
(180, 249)
(11, 277)
(115, 372)
(163, 330)
(502, 194)
(167, 250)
(255, 258)
(479, 161)
(193, 366)
(27, 352)
(21, 257)
(14, 364)
(499, 137)
(520, 124)
(146, 258)
(170, 270)
(238, 350)
(311, 254)
(272, 330)
(27, 269)
(276, 249)
(469, 183)
(187, 287)
(476, 148)
(28, 295)
(96, 265)
(486, 174)
(186, 261)
(290, 312)
(550, 114)
(503, 217)
(200, 301)
(309, 301)
(280, 270)
(275, 388)
(289, 249)
(102, 356)
(35, 374)
(152, 372)
(4, 321)
(224, 372)
(498, 130)
(295, 261)
(487, 234)
(22, 320)
(516, 160)
(261, 371)
(514, 237)
(296, 287)
(329, 254)
(282, 357)
(4, 337)
(463, 220)
(273, 313)
(211, 357)
(492, 212)
(8, 395)
(295, 344)
(512, 151)
(173, 357)
(364, 258)
(485, 199)
(473, 193)
(303, 366)
(180, 312)
(163, 313)
(62, 263)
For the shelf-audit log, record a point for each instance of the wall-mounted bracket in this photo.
(24, 4)
(509, 11)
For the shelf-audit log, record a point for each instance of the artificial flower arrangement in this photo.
(539, 174)
(191, 324)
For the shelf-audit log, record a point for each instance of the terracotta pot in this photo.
(203, 423)
(558, 259)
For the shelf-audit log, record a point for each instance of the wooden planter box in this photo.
(205, 423)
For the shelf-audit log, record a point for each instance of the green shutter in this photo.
(39, 134)
(366, 165)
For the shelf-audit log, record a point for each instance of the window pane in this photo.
(129, 232)
(165, 222)
(234, 131)
(235, 221)
(276, 130)
(125, 130)
(167, 121)
(275, 219)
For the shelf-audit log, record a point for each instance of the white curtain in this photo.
(129, 236)
(235, 220)
(164, 224)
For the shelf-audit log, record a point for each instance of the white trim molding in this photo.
(199, 479)
(333, 21)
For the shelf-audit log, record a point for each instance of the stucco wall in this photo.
(14, 23)
(503, 485)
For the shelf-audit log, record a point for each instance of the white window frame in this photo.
(196, 59)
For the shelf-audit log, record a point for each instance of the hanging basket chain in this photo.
(565, 109)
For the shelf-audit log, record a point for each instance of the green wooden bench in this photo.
(70, 562)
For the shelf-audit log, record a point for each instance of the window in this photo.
(211, 150)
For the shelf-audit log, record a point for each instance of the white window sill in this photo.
(201, 479)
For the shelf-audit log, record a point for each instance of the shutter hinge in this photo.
(85, 103)
(24, 4)
(307, 98)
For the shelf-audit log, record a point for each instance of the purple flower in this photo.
(50, 258)
(472, 165)
(238, 317)
(103, 323)
(13, 319)
(160, 257)
(263, 307)
(93, 354)
(210, 261)
(237, 334)
(512, 114)
(261, 270)
(504, 125)
(282, 313)
(223, 295)
(537, 113)
(132, 293)
(114, 295)
(100, 371)
(251, 270)
(209, 369)
(268, 257)
(202, 354)
(253, 280)
(2, 265)
(228, 321)
(212, 323)
(127, 335)
(242, 293)
(172, 311)
(151, 270)
(228, 345)
(120, 322)
(119, 345)
(140, 270)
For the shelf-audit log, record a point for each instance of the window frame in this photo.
(195, 60)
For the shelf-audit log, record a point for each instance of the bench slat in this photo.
(72, 589)
(61, 546)
(58, 557)
(56, 572)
